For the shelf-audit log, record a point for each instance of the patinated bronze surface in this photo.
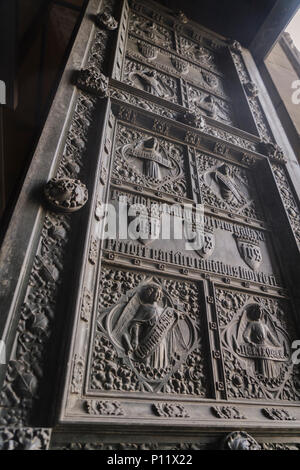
(162, 342)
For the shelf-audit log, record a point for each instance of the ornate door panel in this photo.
(190, 334)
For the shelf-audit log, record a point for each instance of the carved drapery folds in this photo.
(148, 336)
(257, 334)
(151, 30)
(149, 161)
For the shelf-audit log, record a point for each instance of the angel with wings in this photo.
(148, 327)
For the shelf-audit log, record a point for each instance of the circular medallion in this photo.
(66, 194)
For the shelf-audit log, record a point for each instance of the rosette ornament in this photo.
(66, 194)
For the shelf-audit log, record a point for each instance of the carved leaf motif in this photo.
(227, 412)
(170, 410)
(198, 53)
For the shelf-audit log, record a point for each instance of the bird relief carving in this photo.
(153, 82)
(149, 161)
(227, 187)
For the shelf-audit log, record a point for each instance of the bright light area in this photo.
(294, 29)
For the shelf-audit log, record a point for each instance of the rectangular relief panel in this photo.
(194, 72)
(148, 336)
(143, 159)
(256, 334)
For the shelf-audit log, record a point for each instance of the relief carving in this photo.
(230, 137)
(209, 105)
(66, 194)
(24, 438)
(273, 151)
(226, 186)
(149, 329)
(234, 45)
(198, 53)
(288, 198)
(256, 340)
(26, 369)
(144, 104)
(192, 138)
(106, 20)
(151, 81)
(251, 89)
(193, 119)
(147, 50)
(132, 446)
(93, 81)
(86, 305)
(170, 410)
(278, 446)
(149, 161)
(277, 414)
(161, 127)
(249, 250)
(259, 116)
(104, 408)
(204, 238)
(94, 250)
(240, 440)
(127, 114)
(77, 376)
(182, 17)
(152, 336)
(180, 66)
(148, 29)
(227, 412)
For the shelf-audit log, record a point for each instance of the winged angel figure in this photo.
(148, 327)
